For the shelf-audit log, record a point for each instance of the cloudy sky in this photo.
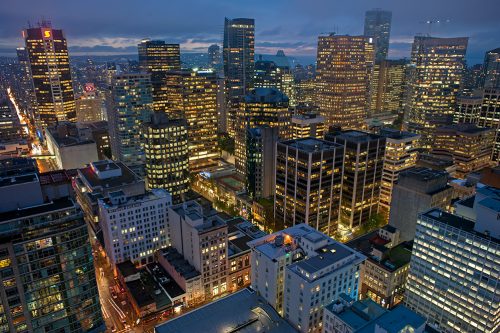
(115, 26)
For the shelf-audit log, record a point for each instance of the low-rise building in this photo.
(308, 124)
(366, 316)
(134, 227)
(71, 149)
(385, 271)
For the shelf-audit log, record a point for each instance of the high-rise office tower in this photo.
(388, 86)
(345, 65)
(129, 105)
(158, 56)
(417, 190)
(238, 55)
(10, 127)
(262, 106)
(468, 146)
(51, 74)
(260, 156)
(378, 26)
(453, 279)
(269, 74)
(490, 117)
(439, 64)
(468, 109)
(491, 69)
(214, 56)
(308, 184)
(26, 99)
(362, 176)
(192, 95)
(46, 264)
(400, 154)
(89, 105)
(166, 154)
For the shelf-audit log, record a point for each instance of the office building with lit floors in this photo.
(362, 176)
(344, 70)
(262, 107)
(468, 108)
(50, 73)
(192, 95)
(490, 117)
(388, 87)
(238, 54)
(378, 26)
(261, 156)
(299, 270)
(134, 227)
(46, 264)
(454, 270)
(166, 154)
(89, 105)
(308, 184)
(491, 69)
(468, 146)
(129, 105)
(400, 154)
(304, 125)
(434, 85)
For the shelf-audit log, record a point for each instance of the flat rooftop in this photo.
(456, 222)
(242, 312)
(357, 136)
(91, 178)
(327, 256)
(18, 180)
(177, 261)
(311, 145)
(55, 205)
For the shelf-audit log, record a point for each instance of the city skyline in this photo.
(107, 32)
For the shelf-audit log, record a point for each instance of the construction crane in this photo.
(430, 23)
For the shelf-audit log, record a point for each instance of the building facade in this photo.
(491, 68)
(304, 125)
(362, 176)
(378, 26)
(130, 103)
(134, 227)
(490, 117)
(433, 90)
(238, 52)
(166, 154)
(308, 184)
(51, 75)
(343, 74)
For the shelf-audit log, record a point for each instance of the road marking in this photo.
(114, 305)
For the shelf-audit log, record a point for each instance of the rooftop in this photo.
(92, 179)
(394, 134)
(356, 136)
(17, 180)
(311, 145)
(67, 134)
(181, 265)
(266, 95)
(242, 312)
(55, 205)
(326, 257)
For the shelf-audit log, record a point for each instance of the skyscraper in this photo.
(439, 64)
(490, 117)
(491, 69)
(214, 56)
(51, 74)
(468, 109)
(129, 105)
(166, 154)
(262, 106)
(362, 176)
(158, 56)
(238, 54)
(89, 105)
(378, 26)
(388, 86)
(46, 263)
(192, 95)
(308, 184)
(261, 156)
(269, 74)
(345, 65)
(453, 279)
(26, 101)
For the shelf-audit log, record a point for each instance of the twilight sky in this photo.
(116, 26)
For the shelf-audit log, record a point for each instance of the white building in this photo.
(300, 270)
(454, 274)
(134, 227)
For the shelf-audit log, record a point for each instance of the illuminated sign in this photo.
(89, 87)
(47, 34)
